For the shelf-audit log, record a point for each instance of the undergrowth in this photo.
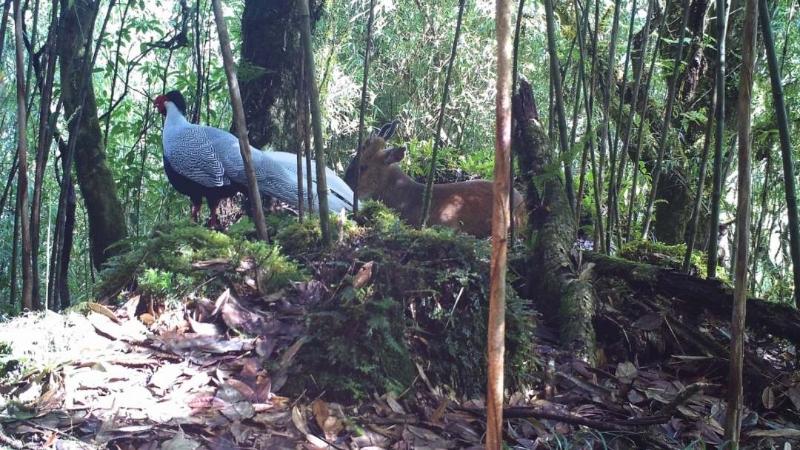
(667, 255)
(163, 263)
(423, 311)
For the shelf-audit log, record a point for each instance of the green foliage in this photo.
(666, 256)
(162, 264)
(426, 301)
(7, 363)
(298, 238)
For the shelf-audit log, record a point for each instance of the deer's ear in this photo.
(394, 154)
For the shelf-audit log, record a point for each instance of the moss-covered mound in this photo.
(179, 258)
(386, 308)
(406, 304)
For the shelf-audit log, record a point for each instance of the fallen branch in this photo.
(522, 412)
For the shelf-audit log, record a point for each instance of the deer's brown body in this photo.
(465, 206)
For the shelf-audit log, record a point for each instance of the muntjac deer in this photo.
(465, 206)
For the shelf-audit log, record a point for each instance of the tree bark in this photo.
(734, 413)
(500, 219)
(556, 276)
(270, 63)
(239, 120)
(28, 301)
(99, 191)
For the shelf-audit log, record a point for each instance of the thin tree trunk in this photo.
(316, 121)
(198, 51)
(613, 188)
(581, 87)
(9, 185)
(615, 148)
(762, 214)
(733, 420)
(786, 150)
(626, 140)
(28, 301)
(307, 141)
(719, 135)
(604, 132)
(597, 173)
(662, 144)
(514, 77)
(363, 108)
(65, 255)
(115, 72)
(43, 148)
(426, 197)
(500, 220)
(558, 90)
(301, 137)
(12, 299)
(701, 178)
(241, 126)
(4, 26)
(640, 137)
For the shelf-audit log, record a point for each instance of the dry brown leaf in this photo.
(363, 275)
(147, 319)
(787, 433)
(768, 397)
(102, 309)
(321, 413)
(203, 328)
(437, 415)
(299, 420)
(166, 375)
(246, 391)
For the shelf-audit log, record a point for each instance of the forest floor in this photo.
(148, 372)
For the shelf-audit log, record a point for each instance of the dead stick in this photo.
(603, 425)
(682, 397)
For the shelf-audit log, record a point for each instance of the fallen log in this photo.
(553, 273)
(700, 295)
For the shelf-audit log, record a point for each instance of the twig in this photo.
(9, 441)
(603, 425)
(682, 397)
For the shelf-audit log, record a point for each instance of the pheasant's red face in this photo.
(160, 104)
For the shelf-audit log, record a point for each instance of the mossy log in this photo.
(553, 273)
(701, 295)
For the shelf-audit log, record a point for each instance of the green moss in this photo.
(664, 255)
(162, 264)
(425, 304)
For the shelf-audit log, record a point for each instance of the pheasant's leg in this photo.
(196, 204)
(213, 221)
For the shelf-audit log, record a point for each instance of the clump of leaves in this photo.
(163, 263)
(297, 238)
(664, 255)
(407, 298)
(8, 364)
